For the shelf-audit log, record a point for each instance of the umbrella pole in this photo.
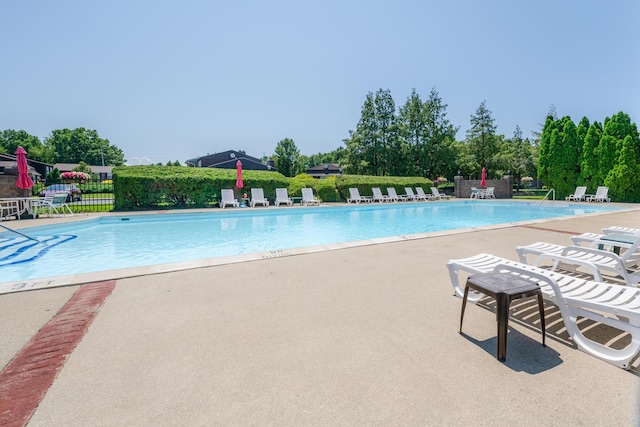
(23, 235)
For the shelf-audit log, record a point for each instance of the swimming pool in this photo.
(131, 241)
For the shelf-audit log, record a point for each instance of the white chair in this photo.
(308, 198)
(615, 229)
(421, 195)
(595, 261)
(475, 194)
(282, 197)
(600, 196)
(437, 195)
(257, 197)
(410, 195)
(577, 196)
(56, 203)
(489, 194)
(393, 195)
(228, 199)
(617, 306)
(378, 196)
(355, 197)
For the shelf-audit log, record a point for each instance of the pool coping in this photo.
(115, 274)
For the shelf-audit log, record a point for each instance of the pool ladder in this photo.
(546, 196)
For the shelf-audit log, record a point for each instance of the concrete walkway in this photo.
(358, 336)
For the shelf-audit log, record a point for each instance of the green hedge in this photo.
(364, 184)
(167, 187)
(151, 187)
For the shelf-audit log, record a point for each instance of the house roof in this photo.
(68, 167)
(227, 160)
(324, 170)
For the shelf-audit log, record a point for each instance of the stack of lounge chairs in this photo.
(612, 300)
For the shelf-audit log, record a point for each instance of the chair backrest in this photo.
(435, 191)
(354, 193)
(474, 190)
(602, 192)
(60, 198)
(307, 194)
(490, 190)
(377, 193)
(227, 195)
(391, 191)
(282, 194)
(409, 191)
(420, 192)
(579, 193)
(257, 194)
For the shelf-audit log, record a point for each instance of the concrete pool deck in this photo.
(365, 335)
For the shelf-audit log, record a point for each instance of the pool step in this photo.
(14, 250)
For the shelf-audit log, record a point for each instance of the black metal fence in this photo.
(94, 196)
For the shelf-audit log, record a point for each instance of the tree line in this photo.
(63, 146)
(591, 155)
(417, 139)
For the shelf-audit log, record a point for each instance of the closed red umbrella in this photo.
(24, 180)
(483, 181)
(239, 183)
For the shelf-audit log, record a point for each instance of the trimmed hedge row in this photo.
(167, 187)
(152, 187)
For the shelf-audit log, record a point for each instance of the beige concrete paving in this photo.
(358, 336)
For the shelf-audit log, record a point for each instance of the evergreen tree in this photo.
(411, 121)
(439, 158)
(624, 179)
(589, 164)
(482, 138)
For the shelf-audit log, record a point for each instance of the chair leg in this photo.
(542, 320)
(464, 304)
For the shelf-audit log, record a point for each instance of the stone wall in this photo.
(503, 188)
(8, 187)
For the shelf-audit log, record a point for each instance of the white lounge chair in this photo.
(54, 204)
(588, 238)
(614, 229)
(489, 193)
(282, 197)
(308, 198)
(617, 306)
(378, 196)
(600, 196)
(422, 195)
(393, 195)
(475, 194)
(410, 195)
(595, 261)
(227, 199)
(257, 198)
(355, 197)
(435, 194)
(577, 196)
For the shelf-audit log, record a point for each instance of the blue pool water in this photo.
(114, 242)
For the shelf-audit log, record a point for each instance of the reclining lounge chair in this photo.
(595, 261)
(617, 306)
(355, 197)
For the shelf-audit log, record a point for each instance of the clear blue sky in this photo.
(172, 80)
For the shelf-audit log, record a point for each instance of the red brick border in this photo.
(29, 375)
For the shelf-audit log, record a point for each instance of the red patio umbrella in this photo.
(24, 180)
(239, 183)
(483, 181)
